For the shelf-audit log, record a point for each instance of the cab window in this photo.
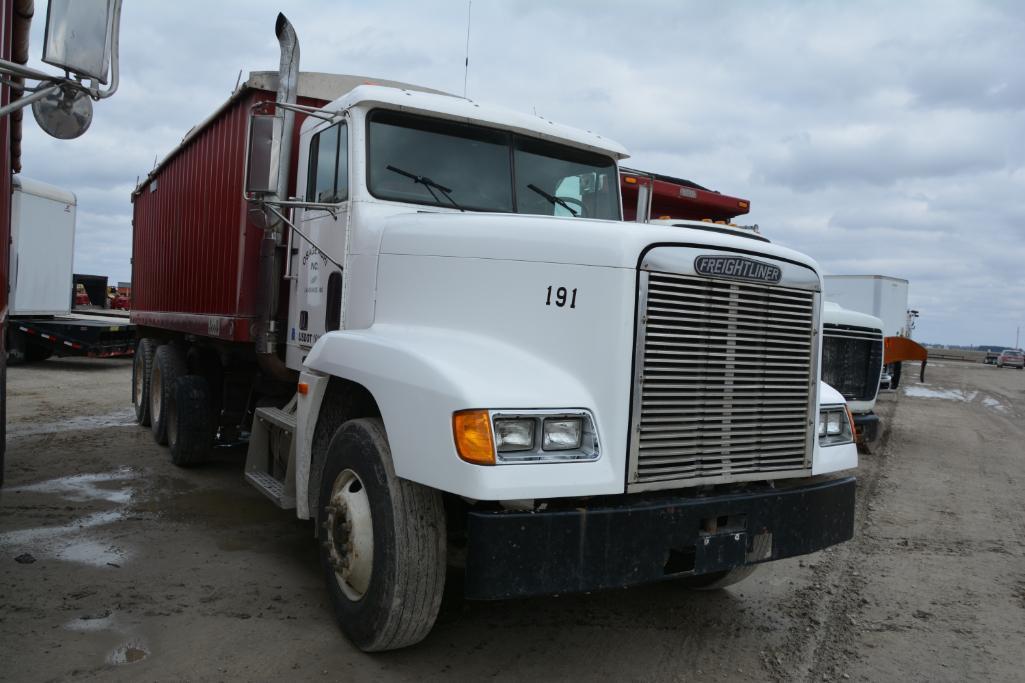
(557, 180)
(328, 177)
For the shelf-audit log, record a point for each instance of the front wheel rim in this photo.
(349, 535)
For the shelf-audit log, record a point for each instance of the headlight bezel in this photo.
(840, 416)
(587, 449)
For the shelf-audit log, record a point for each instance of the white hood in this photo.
(550, 239)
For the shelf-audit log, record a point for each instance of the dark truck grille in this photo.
(852, 358)
(726, 380)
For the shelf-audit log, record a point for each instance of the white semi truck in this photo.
(852, 363)
(885, 298)
(474, 360)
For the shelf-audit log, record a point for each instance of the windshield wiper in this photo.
(551, 197)
(428, 183)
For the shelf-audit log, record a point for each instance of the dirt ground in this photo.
(141, 571)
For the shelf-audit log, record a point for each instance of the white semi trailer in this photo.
(477, 361)
(881, 296)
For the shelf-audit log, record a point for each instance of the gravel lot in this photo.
(141, 571)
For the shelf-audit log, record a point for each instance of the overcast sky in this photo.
(878, 137)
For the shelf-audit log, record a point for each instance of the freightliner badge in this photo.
(737, 267)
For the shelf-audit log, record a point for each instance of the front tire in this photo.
(168, 366)
(897, 369)
(382, 542)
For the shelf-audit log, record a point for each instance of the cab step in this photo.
(271, 441)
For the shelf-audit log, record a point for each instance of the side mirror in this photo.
(587, 183)
(79, 37)
(263, 154)
(82, 40)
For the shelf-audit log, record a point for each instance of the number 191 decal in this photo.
(562, 297)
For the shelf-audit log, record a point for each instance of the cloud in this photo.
(937, 144)
(878, 137)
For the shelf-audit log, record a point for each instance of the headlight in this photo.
(835, 426)
(562, 434)
(513, 436)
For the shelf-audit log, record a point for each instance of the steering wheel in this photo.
(574, 200)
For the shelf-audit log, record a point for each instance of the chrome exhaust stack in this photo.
(271, 247)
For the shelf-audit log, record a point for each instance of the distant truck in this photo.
(41, 322)
(654, 196)
(885, 298)
(852, 363)
(91, 291)
(443, 344)
(852, 344)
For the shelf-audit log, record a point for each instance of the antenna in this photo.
(238, 80)
(466, 64)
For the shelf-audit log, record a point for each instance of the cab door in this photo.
(318, 244)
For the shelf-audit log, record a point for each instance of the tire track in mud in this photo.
(828, 612)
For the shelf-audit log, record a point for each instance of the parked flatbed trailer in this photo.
(90, 336)
(42, 321)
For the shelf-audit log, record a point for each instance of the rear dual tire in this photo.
(142, 368)
(189, 421)
(178, 408)
(168, 366)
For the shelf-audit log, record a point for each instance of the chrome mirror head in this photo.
(262, 154)
(78, 37)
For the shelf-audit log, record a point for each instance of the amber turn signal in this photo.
(472, 432)
(303, 388)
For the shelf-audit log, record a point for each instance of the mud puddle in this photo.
(128, 653)
(104, 486)
(120, 418)
(75, 541)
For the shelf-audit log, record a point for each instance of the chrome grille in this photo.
(725, 381)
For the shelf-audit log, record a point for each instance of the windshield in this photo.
(423, 160)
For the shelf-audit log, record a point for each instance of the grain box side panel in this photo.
(189, 235)
(195, 249)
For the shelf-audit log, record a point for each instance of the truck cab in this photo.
(392, 159)
(852, 363)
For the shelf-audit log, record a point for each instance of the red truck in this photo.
(655, 196)
(83, 42)
(14, 28)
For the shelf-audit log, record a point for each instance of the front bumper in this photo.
(636, 540)
(867, 427)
